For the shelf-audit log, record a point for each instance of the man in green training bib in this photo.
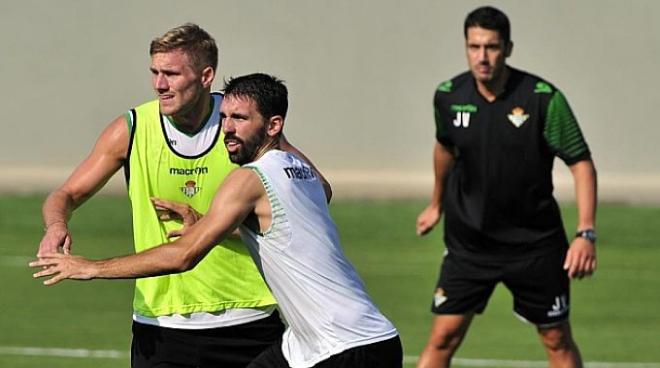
(221, 313)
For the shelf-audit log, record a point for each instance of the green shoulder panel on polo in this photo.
(227, 277)
(543, 87)
(445, 86)
(440, 123)
(562, 131)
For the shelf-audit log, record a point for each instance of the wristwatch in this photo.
(589, 234)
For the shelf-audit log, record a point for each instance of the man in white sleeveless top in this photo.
(280, 206)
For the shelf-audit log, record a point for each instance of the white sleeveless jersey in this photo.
(319, 293)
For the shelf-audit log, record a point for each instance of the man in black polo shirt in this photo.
(498, 130)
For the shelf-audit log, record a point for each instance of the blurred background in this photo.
(361, 75)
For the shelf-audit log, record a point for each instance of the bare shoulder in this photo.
(243, 175)
(238, 196)
(114, 140)
(118, 134)
(243, 182)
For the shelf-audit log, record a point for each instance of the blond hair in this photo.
(191, 39)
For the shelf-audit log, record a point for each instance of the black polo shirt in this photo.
(498, 199)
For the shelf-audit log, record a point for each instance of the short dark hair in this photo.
(490, 18)
(193, 40)
(268, 92)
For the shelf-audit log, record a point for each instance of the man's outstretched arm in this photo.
(234, 201)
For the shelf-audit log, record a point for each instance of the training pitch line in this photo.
(119, 354)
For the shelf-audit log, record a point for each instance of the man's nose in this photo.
(228, 125)
(483, 54)
(160, 83)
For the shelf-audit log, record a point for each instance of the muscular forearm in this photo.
(442, 161)
(175, 257)
(165, 259)
(581, 255)
(430, 216)
(584, 175)
(57, 208)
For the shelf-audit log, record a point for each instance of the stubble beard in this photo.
(249, 147)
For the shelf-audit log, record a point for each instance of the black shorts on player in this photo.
(226, 347)
(539, 285)
(383, 354)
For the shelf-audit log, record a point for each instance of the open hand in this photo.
(63, 266)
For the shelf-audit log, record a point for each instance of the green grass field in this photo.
(615, 314)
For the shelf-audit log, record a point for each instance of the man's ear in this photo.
(509, 49)
(208, 75)
(275, 125)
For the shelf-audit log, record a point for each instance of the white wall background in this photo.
(361, 76)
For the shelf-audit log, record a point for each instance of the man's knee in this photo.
(448, 332)
(557, 337)
(445, 340)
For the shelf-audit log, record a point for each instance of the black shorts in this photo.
(383, 354)
(232, 347)
(539, 285)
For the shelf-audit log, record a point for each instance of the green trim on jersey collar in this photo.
(205, 120)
